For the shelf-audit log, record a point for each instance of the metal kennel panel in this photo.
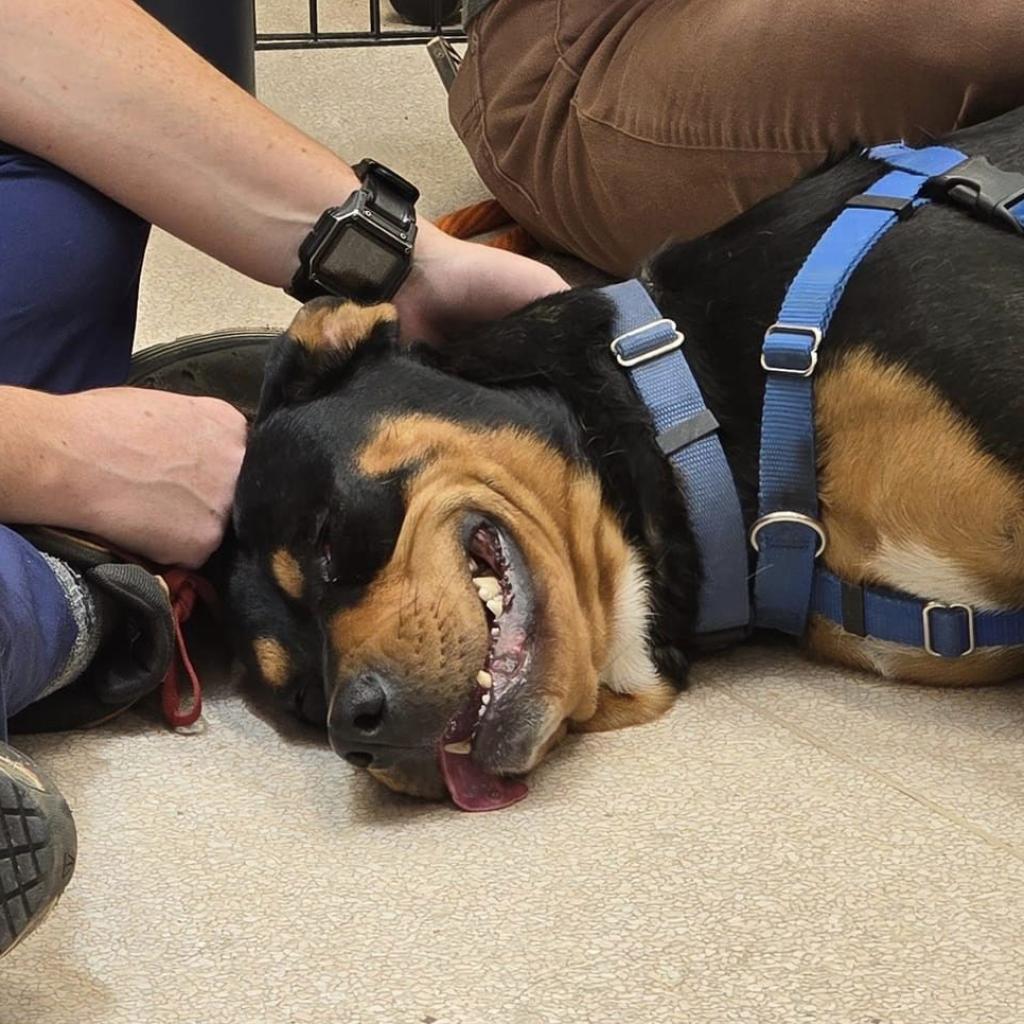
(375, 33)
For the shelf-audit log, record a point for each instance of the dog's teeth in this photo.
(485, 700)
(495, 632)
(484, 679)
(480, 712)
(496, 606)
(487, 587)
(465, 747)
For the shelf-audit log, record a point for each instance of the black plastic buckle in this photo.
(901, 206)
(984, 190)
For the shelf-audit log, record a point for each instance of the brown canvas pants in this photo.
(606, 127)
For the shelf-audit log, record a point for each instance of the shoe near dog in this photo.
(38, 846)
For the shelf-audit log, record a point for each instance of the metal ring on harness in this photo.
(790, 517)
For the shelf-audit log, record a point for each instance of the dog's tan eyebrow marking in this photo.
(274, 663)
(319, 325)
(285, 569)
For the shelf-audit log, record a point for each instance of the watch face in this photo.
(357, 262)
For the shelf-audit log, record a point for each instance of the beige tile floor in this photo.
(791, 845)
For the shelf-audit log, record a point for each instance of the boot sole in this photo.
(38, 848)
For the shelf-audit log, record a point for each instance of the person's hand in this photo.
(454, 283)
(150, 472)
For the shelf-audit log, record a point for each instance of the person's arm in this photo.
(149, 471)
(100, 88)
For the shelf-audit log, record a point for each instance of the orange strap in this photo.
(480, 218)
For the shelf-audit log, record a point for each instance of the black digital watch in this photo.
(361, 250)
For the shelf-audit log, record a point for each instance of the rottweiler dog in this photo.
(452, 555)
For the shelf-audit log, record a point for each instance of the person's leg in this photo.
(41, 635)
(629, 122)
(69, 274)
(70, 260)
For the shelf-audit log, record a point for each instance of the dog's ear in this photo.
(319, 348)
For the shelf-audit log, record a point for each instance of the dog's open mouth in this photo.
(503, 585)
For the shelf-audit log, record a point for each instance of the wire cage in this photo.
(376, 33)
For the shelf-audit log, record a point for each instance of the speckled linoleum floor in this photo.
(791, 844)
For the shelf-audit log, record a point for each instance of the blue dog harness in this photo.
(788, 536)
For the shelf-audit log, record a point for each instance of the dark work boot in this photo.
(225, 364)
(37, 846)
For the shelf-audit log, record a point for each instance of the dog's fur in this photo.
(349, 556)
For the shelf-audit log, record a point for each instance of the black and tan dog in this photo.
(488, 534)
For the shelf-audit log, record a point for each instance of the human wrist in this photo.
(362, 249)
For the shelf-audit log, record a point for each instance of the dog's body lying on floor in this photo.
(490, 530)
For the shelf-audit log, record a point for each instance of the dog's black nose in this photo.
(359, 721)
(362, 705)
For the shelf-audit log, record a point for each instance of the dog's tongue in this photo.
(472, 788)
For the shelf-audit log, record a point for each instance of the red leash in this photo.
(185, 589)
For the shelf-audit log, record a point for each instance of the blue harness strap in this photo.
(945, 630)
(650, 349)
(985, 190)
(787, 535)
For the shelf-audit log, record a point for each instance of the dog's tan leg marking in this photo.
(273, 661)
(910, 500)
(326, 323)
(285, 569)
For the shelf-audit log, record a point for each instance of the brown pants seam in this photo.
(485, 142)
(698, 146)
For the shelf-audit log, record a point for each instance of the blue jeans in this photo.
(70, 260)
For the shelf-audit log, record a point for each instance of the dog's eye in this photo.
(325, 553)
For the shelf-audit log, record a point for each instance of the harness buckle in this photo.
(926, 622)
(814, 333)
(789, 517)
(983, 189)
(642, 357)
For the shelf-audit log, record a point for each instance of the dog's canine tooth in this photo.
(484, 679)
(495, 632)
(484, 701)
(495, 606)
(465, 747)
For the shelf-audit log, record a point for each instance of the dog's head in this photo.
(440, 556)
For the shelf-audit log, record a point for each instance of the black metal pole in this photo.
(223, 33)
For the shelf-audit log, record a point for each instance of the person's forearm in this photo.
(33, 456)
(101, 89)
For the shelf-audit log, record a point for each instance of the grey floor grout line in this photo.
(997, 842)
